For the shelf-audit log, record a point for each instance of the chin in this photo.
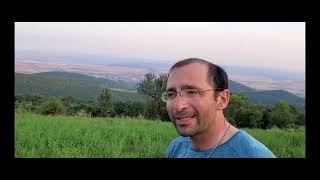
(184, 131)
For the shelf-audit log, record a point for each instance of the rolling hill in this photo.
(236, 87)
(89, 80)
(268, 97)
(35, 84)
(88, 88)
(271, 97)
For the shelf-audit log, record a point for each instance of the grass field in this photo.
(45, 136)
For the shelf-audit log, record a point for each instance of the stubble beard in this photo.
(190, 131)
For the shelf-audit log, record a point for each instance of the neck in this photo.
(212, 135)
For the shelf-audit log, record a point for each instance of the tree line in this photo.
(69, 84)
(240, 112)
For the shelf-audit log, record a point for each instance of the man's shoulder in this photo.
(178, 142)
(177, 145)
(247, 146)
(180, 139)
(249, 141)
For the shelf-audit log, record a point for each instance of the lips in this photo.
(184, 120)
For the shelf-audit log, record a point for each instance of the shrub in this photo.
(53, 106)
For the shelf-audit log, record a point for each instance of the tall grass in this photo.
(45, 136)
(283, 143)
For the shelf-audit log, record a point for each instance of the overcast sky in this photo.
(279, 45)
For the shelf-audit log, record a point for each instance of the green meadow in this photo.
(85, 137)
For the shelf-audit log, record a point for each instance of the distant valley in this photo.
(127, 70)
(264, 83)
(87, 88)
(79, 86)
(117, 73)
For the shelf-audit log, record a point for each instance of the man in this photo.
(196, 95)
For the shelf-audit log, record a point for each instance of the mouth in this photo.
(185, 120)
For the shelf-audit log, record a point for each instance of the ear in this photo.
(223, 99)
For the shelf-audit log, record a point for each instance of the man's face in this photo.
(191, 116)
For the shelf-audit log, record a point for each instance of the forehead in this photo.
(194, 74)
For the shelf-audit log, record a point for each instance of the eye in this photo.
(191, 92)
(171, 94)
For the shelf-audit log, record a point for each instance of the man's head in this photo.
(203, 87)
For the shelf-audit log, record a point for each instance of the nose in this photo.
(179, 103)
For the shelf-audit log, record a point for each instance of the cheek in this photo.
(206, 107)
(169, 109)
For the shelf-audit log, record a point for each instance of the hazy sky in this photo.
(279, 45)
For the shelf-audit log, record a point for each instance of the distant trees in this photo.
(240, 112)
(78, 86)
(28, 102)
(53, 106)
(266, 117)
(129, 109)
(298, 116)
(238, 102)
(154, 86)
(250, 117)
(282, 115)
(75, 106)
(104, 103)
(243, 114)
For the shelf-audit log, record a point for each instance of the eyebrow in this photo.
(184, 87)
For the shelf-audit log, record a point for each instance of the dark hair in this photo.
(217, 77)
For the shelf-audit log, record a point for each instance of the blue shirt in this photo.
(240, 145)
